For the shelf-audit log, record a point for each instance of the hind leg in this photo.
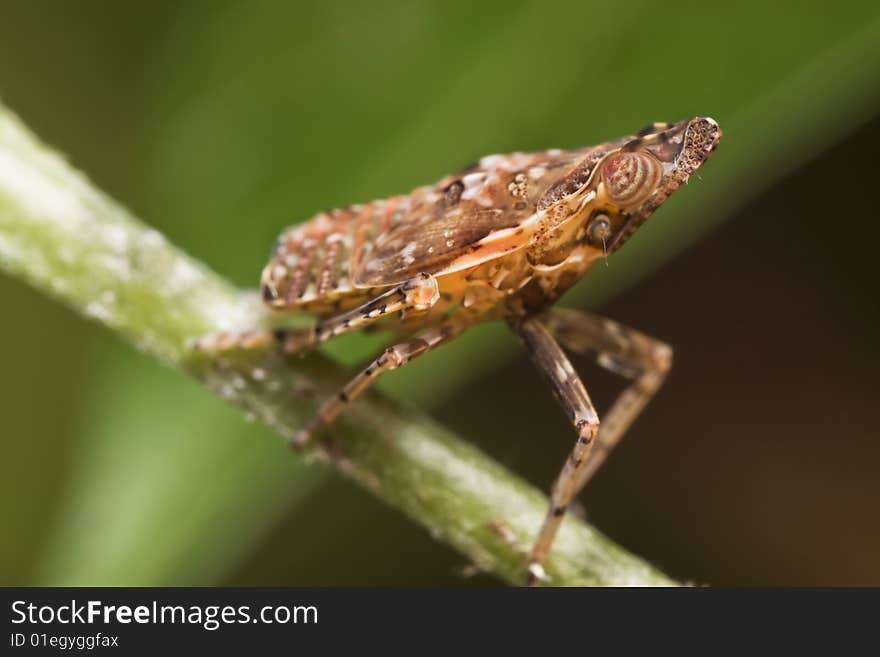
(418, 294)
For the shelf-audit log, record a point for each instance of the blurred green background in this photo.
(221, 122)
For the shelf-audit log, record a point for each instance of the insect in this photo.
(499, 241)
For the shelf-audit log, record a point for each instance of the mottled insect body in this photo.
(501, 240)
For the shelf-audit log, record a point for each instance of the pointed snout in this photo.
(703, 131)
(701, 136)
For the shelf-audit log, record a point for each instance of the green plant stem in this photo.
(67, 239)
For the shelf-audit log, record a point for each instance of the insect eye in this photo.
(599, 230)
(631, 177)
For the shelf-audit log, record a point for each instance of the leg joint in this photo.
(661, 356)
(422, 292)
(391, 359)
(587, 431)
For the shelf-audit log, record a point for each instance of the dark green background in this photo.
(221, 122)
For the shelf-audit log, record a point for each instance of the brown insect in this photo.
(501, 240)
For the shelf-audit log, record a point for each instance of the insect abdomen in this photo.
(313, 262)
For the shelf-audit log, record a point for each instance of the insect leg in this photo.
(417, 294)
(221, 342)
(390, 359)
(571, 394)
(622, 350)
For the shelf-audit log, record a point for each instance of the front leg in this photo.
(625, 351)
(571, 394)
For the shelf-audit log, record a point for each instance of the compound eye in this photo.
(631, 177)
(599, 230)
